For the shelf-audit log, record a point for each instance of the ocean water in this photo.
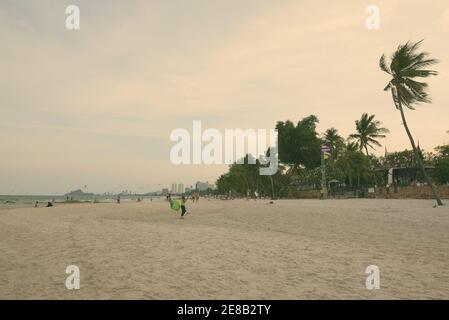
(15, 201)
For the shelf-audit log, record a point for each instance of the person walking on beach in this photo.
(178, 204)
(183, 206)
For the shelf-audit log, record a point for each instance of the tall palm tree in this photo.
(368, 132)
(407, 64)
(334, 141)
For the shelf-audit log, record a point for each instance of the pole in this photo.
(323, 177)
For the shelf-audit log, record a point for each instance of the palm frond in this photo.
(383, 65)
(406, 64)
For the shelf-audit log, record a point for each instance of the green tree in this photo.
(405, 65)
(299, 146)
(334, 141)
(441, 172)
(368, 131)
(353, 163)
(400, 159)
(245, 177)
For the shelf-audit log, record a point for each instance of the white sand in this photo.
(294, 249)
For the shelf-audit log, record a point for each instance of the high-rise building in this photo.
(174, 188)
(181, 188)
(203, 186)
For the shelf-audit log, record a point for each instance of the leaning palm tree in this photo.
(368, 132)
(407, 64)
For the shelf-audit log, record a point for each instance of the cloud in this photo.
(137, 70)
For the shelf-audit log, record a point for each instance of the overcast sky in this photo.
(96, 106)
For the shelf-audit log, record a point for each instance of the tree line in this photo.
(350, 161)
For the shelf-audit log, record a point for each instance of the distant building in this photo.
(174, 188)
(402, 176)
(165, 191)
(402, 173)
(203, 186)
(181, 188)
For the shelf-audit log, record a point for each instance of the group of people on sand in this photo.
(181, 204)
(49, 204)
(175, 204)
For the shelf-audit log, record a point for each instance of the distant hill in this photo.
(78, 193)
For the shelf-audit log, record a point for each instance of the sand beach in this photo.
(292, 249)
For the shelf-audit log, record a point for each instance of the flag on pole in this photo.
(325, 149)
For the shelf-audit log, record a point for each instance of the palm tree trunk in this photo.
(358, 179)
(418, 157)
(350, 177)
(272, 188)
(366, 150)
(374, 172)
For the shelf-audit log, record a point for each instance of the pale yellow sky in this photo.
(96, 106)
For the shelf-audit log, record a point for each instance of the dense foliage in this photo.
(348, 164)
